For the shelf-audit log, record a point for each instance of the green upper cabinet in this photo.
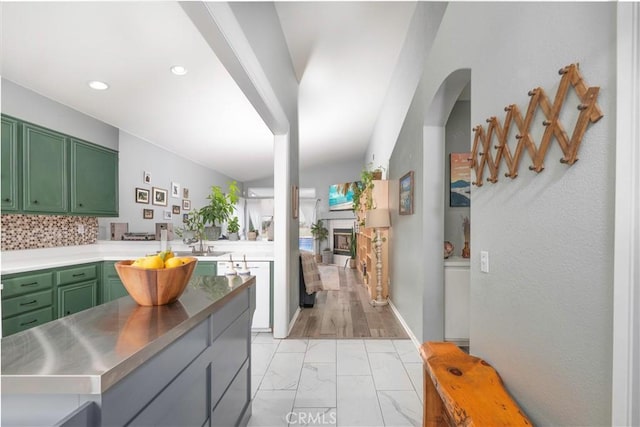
(44, 170)
(9, 167)
(94, 180)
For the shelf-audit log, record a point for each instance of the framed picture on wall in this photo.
(460, 182)
(147, 213)
(406, 194)
(159, 196)
(175, 190)
(175, 209)
(186, 205)
(142, 195)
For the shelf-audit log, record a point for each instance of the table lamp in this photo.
(377, 219)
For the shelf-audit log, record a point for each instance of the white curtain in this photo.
(307, 211)
(253, 209)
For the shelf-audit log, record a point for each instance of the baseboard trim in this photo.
(293, 320)
(413, 338)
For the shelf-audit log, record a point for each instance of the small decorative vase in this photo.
(466, 251)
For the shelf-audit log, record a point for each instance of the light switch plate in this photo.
(484, 261)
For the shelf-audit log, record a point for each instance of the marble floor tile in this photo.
(261, 355)
(312, 417)
(321, 351)
(400, 408)
(317, 387)
(255, 384)
(352, 359)
(358, 402)
(283, 372)
(349, 342)
(270, 408)
(388, 372)
(415, 371)
(379, 346)
(266, 338)
(293, 346)
(408, 351)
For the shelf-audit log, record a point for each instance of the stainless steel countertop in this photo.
(88, 352)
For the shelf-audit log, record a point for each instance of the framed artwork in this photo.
(185, 218)
(175, 190)
(185, 193)
(186, 205)
(159, 196)
(167, 215)
(146, 177)
(460, 182)
(406, 194)
(295, 199)
(142, 195)
(175, 209)
(147, 213)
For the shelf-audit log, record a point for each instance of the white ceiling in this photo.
(344, 55)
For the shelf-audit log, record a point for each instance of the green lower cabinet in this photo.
(25, 321)
(77, 297)
(112, 287)
(205, 268)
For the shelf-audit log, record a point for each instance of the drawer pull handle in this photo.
(29, 322)
(29, 303)
(7, 199)
(29, 284)
(78, 274)
(35, 202)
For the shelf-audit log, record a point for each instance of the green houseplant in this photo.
(253, 234)
(233, 227)
(193, 230)
(219, 210)
(319, 233)
(353, 248)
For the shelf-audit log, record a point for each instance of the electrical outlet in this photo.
(80, 228)
(484, 261)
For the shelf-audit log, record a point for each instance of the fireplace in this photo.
(342, 241)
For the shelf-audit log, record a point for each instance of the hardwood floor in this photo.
(347, 314)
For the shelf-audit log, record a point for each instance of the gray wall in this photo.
(320, 178)
(543, 315)
(137, 156)
(27, 105)
(405, 238)
(457, 140)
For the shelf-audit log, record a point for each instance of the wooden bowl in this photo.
(155, 286)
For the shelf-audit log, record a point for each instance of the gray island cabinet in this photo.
(118, 364)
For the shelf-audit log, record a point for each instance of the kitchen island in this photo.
(186, 363)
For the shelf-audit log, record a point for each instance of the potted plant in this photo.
(363, 188)
(233, 227)
(319, 233)
(220, 208)
(193, 230)
(252, 234)
(353, 245)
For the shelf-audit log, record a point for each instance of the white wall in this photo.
(23, 103)
(543, 315)
(137, 156)
(457, 140)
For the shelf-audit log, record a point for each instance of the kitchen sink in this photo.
(205, 253)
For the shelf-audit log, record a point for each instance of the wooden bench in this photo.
(463, 390)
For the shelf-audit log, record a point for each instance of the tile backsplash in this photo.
(46, 231)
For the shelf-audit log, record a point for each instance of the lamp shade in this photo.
(377, 218)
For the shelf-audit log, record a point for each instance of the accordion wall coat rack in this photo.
(483, 156)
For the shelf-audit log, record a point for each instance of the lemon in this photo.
(152, 262)
(174, 262)
(165, 255)
(138, 263)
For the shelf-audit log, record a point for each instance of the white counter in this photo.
(106, 250)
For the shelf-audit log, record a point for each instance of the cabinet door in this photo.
(112, 287)
(205, 268)
(44, 170)
(94, 180)
(77, 297)
(9, 168)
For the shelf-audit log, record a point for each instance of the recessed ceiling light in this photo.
(98, 85)
(179, 70)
